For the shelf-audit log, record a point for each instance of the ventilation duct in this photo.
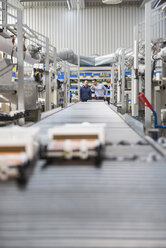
(73, 4)
(112, 1)
(71, 57)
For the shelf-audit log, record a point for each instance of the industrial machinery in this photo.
(143, 70)
(18, 150)
(23, 87)
(159, 83)
(63, 84)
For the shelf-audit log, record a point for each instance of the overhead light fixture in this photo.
(112, 1)
(157, 3)
(68, 4)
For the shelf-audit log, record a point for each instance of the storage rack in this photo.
(102, 74)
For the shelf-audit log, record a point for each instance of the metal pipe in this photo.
(155, 120)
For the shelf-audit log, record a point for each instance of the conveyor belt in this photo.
(119, 205)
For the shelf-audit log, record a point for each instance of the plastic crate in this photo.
(88, 74)
(73, 76)
(96, 74)
(73, 88)
(127, 73)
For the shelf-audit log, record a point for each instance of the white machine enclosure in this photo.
(75, 140)
(21, 136)
(79, 129)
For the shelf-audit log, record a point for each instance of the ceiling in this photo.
(91, 3)
(87, 2)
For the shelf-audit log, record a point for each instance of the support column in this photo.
(47, 78)
(20, 62)
(68, 84)
(4, 13)
(78, 45)
(135, 79)
(123, 82)
(148, 80)
(55, 81)
(119, 82)
(112, 97)
(66, 74)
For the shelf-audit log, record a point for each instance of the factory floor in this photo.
(121, 204)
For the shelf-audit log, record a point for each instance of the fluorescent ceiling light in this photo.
(157, 4)
(111, 1)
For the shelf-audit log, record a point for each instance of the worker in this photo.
(85, 92)
(71, 95)
(100, 90)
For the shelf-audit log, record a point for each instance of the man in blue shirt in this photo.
(85, 92)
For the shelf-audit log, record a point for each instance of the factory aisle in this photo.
(122, 204)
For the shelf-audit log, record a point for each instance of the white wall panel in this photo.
(103, 29)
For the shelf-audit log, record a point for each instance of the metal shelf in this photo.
(101, 78)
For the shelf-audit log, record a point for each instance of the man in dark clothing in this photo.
(85, 92)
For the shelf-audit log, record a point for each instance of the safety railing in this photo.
(9, 20)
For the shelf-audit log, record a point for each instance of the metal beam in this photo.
(123, 81)
(112, 93)
(4, 13)
(20, 62)
(119, 82)
(135, 79)
(68, 83)
(47, 78)
(148, 79)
